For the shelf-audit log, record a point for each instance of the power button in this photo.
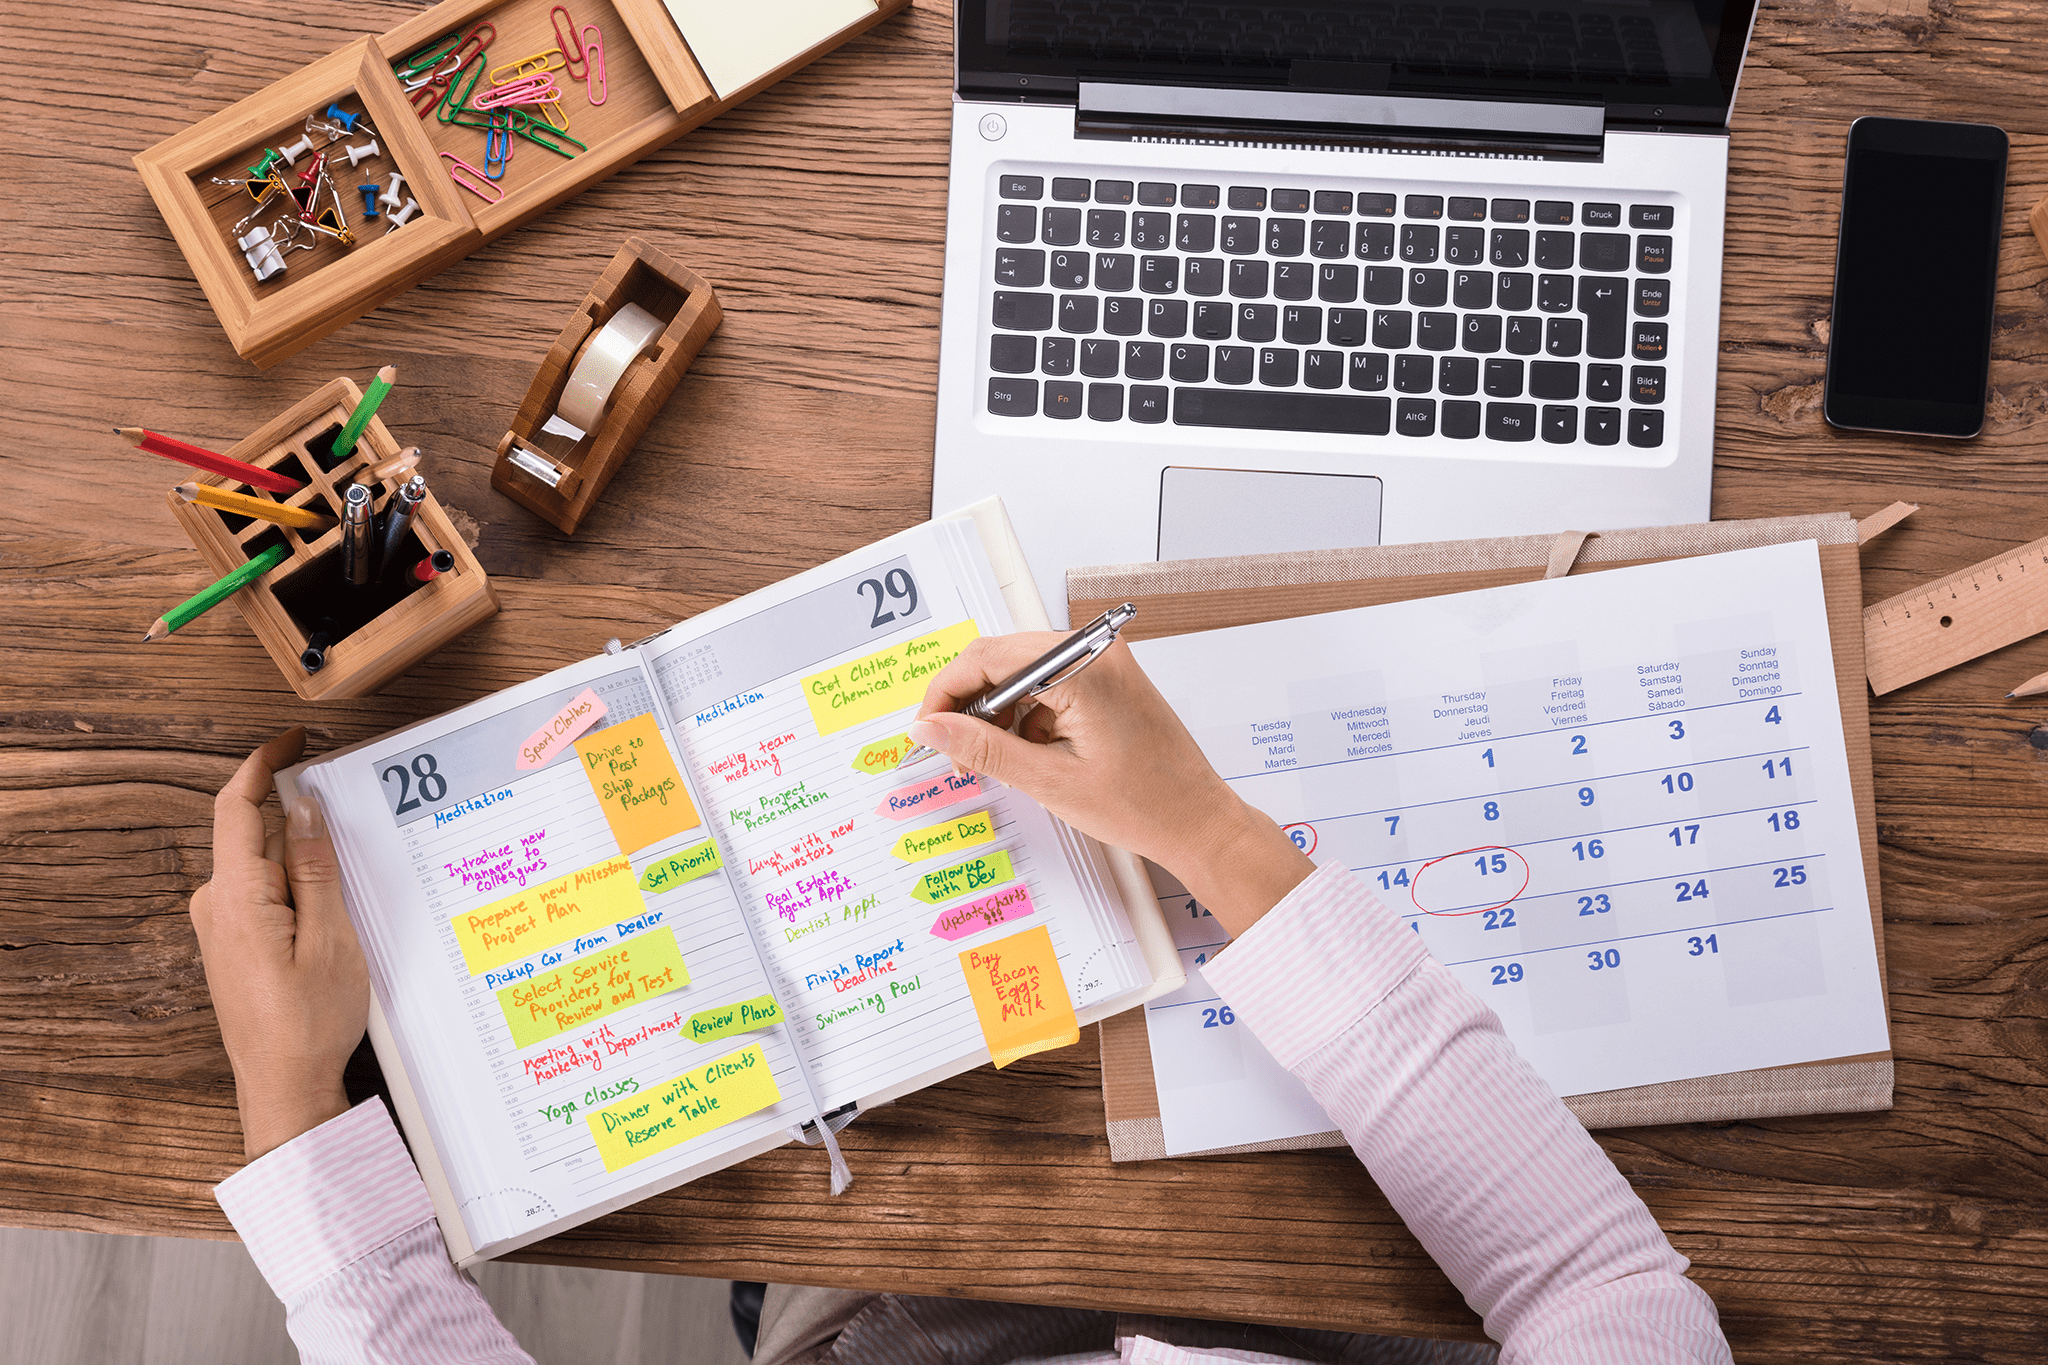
(993, 126)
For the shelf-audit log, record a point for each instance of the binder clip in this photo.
(262, 254)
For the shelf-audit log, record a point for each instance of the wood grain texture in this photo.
(802, 431)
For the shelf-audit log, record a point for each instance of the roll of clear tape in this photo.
(617, 344)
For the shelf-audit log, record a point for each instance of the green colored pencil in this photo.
(207, 598)
(359, 420)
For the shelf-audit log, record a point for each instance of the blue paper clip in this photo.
(497, 143)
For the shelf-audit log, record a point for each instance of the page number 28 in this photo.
(895, 586)
(433, 786)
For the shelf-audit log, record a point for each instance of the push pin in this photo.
(314, 168)
(344, 118)
(297, 149)
(358, 155)
(369, 193)
(262, 254)
(391, 199)
(261, 170)
(399, 216)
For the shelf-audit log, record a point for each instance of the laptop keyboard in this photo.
(1329, 310)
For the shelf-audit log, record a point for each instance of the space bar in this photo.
(1264, 411)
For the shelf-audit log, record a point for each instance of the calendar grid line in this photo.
(1577, 834)
(1634, 881)
(1654, 933)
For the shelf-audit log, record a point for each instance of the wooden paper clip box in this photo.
(655, 89)
(379, 630)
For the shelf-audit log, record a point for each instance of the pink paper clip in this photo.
(593, 58)
(568, 62)
(478, 183)
(528, 90)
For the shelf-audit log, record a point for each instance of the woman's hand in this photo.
(1105, 753)
(282, 963)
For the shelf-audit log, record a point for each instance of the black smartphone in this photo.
(1916, 269)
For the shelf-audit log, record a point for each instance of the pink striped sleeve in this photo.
(1487, 1167)
(340, 1224)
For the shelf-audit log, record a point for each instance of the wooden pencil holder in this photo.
(560, 477)
(378, 630)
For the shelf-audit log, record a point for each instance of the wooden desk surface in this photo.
(803, 432)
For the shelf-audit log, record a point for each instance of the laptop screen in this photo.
(1647, 61)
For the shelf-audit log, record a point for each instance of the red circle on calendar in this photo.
(1415, 886)
(1302, 836)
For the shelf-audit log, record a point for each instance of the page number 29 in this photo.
(895, 586)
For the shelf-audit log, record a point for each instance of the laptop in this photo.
(1226, 278)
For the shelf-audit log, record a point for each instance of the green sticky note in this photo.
(973, 875)
(744, 1017)
(672, 871)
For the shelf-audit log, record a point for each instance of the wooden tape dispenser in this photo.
(606, 376)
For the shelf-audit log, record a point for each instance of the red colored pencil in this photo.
(200, 458)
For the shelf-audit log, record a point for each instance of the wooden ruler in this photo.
(1955, 619)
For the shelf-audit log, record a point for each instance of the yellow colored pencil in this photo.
(242, 505)
(2032, 687)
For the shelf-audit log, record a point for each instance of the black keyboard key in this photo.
(1063, 398)
(1392, 328)
(1286, 236)
(1603, 384)
(1290, 201)
(1428, 288)
(1333, 201)
(1653, 216)
(1077, 313)
(1098, 357)
(1376, 206)
(1653, 255)
(1070, 190)
(1062, 227)
(1149, 403)
(1554, 251)
(1347, 326)
(1465, 245)
(1468, 210)
(1523, 336)
(1653, 298)
(1105, 227)
(1645, 428)
(1650, 340)
(1606, 317)
(1123, 317)
(1020, 267)
(1257, 322)
(1240, 236)
(1510, 248)
(1248, 279)
(1337, 283)
(1600, 215)
(1329, 239)
(1460, 420)
(1144, 360)
(1070, 269)
(1323, 369)
(1293, 280)
(1114, 191)
(1554, 293)
(1167, 318)
(1367, 371)
(1159, 274)
(1436, 331)
(1247, 198)
(1503, 378)
(1279, 366)
(1457, 375)
(1013, 397)
(1300, 326)
(1265, 410)
(1198, 197)
(1424, 206)
(1213, 320)
(1414, 374)
(1016, 223)
(1415, 417)
(1375, 241)
(1012, 355)
(1646, 384)
(1106, 402)
(1560, 425)
(1234, 364)
(1114, 272)
(1152, 231)
(1603, 426)
(1155, 194)
(1556, 212)
(1481, 333)
(1189, 363)
(1022, 312)
(1606, 252)
(1510, 210)
(1557, 380)
(1056, 355)
(1472, 288)
(1564, 336)
(1202, 276)
(1419, 242)
(1196, 234)
(1382, 284)
(1511, 421)
(1022, 187)
(1516, 292)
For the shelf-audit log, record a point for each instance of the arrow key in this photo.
(1603, 426)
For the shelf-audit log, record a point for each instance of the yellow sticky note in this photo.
(636, 782)
(639, 968)
(887, 680)
(701, 1099)
(542, 916)
(1020, 996)
(947, 836)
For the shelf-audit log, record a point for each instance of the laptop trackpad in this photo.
(1205, 513)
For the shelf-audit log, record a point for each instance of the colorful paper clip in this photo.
(551, 60)
(532, 90)
(567, 42)
(457, 99)
(425, 60)
(498, 144)
(593, 60)
(477, 183)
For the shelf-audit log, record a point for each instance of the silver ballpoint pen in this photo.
(1048, 670)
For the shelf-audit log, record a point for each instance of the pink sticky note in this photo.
(584, 711)
(936, 793)
(983, 912)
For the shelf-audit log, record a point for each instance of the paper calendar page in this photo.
(1617, 807)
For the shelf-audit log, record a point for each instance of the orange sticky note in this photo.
(636, 782)
(1020, 996)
